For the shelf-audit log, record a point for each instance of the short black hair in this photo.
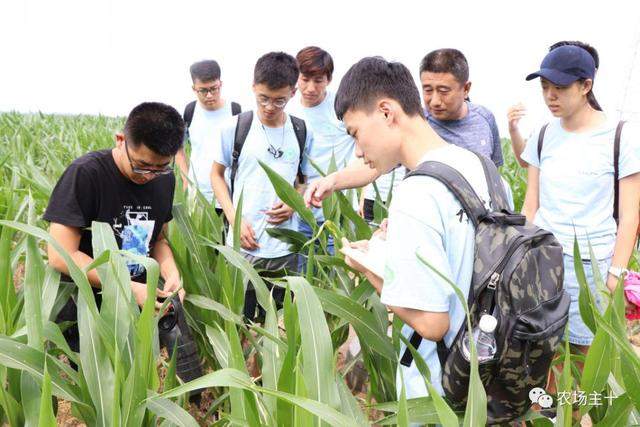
(156, 125)
(592, 50)
(276, 70)
(205, 71)
(372, 78)
(446, 61)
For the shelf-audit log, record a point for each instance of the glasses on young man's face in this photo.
(141, 171)
(266, 101)
(206, 90)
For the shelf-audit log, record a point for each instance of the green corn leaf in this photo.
(363, 321)
(289, 196)
(170, 411)
(236, 379)
(317, 349)
(46, 417)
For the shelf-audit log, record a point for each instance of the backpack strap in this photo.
(188, 113)
(235, 109)
(498, 194)
(541, 140)
(300, 129)
(616, 170)
(187, 116)
(457, 184)
(242, 130)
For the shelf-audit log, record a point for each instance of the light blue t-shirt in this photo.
(576, 183)
(330, 138)
(259, 194)
(203, 136)
(425, 218)
(477, 131)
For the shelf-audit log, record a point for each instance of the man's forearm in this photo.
(517, 145)
(164, 257)
(355, 175)
(223, 196)
(431, 326)
(82, 260)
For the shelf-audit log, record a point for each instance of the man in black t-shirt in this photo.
(131, 188)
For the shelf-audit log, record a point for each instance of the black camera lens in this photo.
(168, 321)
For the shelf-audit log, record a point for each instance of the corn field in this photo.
(123, 379)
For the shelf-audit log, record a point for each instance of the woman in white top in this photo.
(571, 183)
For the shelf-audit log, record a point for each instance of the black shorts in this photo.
(368, 209)
(269, 267)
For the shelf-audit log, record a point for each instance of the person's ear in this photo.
(293, 91)
(119, 136)
(386, 108)
(587, 86)
(467, 88)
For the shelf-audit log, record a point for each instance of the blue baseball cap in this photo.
(566, 64)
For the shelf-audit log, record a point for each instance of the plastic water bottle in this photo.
(484, 339)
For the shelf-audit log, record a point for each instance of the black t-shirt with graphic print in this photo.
(92, 188)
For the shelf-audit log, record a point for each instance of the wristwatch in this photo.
(617, 271)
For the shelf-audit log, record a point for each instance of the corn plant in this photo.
(299, 380)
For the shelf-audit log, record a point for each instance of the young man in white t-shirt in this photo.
(314, 104)
(380, 106)
(272, 140)
(204, 117)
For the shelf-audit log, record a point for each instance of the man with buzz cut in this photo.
(314, 103)
(280, 141)
(380, 106)
(203, 118)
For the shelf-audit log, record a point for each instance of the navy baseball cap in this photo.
(566, 64)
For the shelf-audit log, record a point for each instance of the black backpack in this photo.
(518, 277)
(242, 130)
(191, 107)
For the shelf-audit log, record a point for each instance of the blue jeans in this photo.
(305, 229)
(579, 333)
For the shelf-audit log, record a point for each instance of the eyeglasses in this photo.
(275, 152)
(278, 103)
(164, 171)
(205, 90)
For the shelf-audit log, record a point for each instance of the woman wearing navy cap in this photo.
(571, 189)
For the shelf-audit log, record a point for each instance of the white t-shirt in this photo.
(426, 218)
(259, 194)
(576, 183)
(203, 135)
(386, 183)
(330, 137)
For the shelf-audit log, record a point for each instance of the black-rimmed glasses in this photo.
(164, 171)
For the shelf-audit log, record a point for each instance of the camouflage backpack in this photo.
(517, 276)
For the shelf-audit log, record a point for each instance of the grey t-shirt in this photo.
(477, 132)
